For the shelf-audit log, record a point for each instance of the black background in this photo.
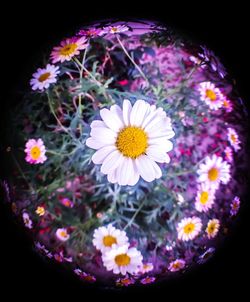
(26, 31)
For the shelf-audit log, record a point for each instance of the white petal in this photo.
(127, 107)
(138, 112)
(161, 142)
(125, 171)
(135, 176)
(111, 162)
(101, 154)
(97, 123)
(111, 120)
(118, 112)
(157, 154)
(112, 176)
(145, 168)
(103, 135)
(158, 173)
(153, 114)
(95, 144)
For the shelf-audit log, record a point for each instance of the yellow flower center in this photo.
(64, 234)
(213, 174)
(176, 265)
(211, 94)
(68, 49)
(204, 197)
(233, 138)
(114, 29)
(43, 77)
(109, 240)
(35, 152)
(189, 228)
(122, 259)
(132, 141)
(226, 103)
(40, 211)
(211, 228)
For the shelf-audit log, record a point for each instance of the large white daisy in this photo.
(130, 141)
(107, 237)
(213, 171)
(211, 95)
(204, 198)
(122, 260)
(189, 228)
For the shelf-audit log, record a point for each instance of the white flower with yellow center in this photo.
(233, 139)
(122, 260)
(189, 228)
(211, 95)
(130, 141)
(43, 77)
(213, 171)
(212, 228)
(107, 237)
(35, 151)
(27, 221)
(176, 265)
(204, 198)
(62, 234)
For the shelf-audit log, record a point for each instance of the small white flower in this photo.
(214, 171)
(212, 228)
(27, 221)
(43, 77)
(146, 267)
(211, 95)
(233, 139)
(115, 29)
(62, 234)
(180, 198)
(189, 228)
(122, 260)
(176, 265)
(107, 237)
(129, 142)
(205, 197)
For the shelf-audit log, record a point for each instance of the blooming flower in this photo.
(43, 77)
(89, 33)
(114, 29)
(62, 234)
(106, 237)
(147, 280)
(228, 154)
(40, 211)
(35, 151)
(84, 276)
(146, 267)
(176, 265)
(233, 139)
(235, 205)
(130, 141)
(122, 260)
(125, 281)
(212, 228)
(189, 228)
(66, 202)
(211, 95)
(204, 198)
(227, 104)
(68, 49)
(206, 255)
(214, 171)
(27, 221)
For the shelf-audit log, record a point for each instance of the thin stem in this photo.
(134, 216)
(132, 60)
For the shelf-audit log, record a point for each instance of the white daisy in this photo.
(122, 260)
(130, 141)
(146, 267)
(204, 198)
(228, 154)
(116, 29)
(62, 234)
(27, 221)
(176, 265)
(214, 171)
(212, 228)
(43, 77)
(107, 237)
(233, 138)
(189, 228)
(211, 95)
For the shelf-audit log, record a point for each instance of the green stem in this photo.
(132, 60)
(134, 216)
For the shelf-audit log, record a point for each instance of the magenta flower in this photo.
(235, 206)
(148, 280)
(35, 151)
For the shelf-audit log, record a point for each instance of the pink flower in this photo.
(125, 281)
(66, 202)
(68, 49)
(147, 280)
(176, 265)
(35, 151)
(115, 29)
(89, 33)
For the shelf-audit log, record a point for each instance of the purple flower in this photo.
(235, 205)
(206, 255)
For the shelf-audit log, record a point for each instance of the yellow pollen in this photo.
(189, 228)
(122, 259)
(63, 234)
(176, 265)
(204, 197)
(35, 152)
(233, 138)
(132, 141)
(211, 94)
(68, 49)
(40, 211)
(109, 240)
(43, 77)
(114, 29)
(225, 103)
(213, 174)
(211, 228)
